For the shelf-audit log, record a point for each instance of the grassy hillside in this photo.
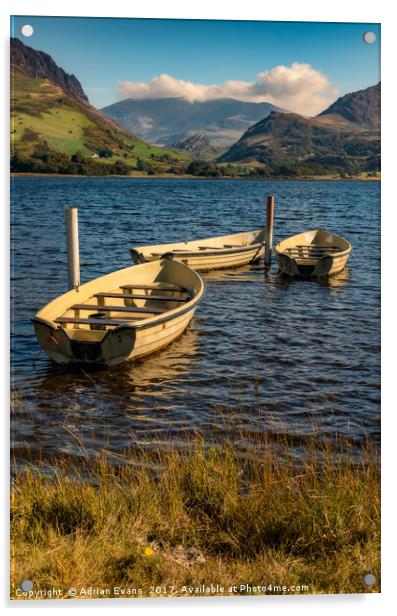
(45, 118)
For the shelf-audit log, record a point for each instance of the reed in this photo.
(275, 516)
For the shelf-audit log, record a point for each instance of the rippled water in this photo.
(262, 353)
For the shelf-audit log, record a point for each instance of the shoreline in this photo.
(161, 519)
(170, 176)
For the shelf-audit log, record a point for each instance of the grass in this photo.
(176, 521)
(40, 108)
(62, 129)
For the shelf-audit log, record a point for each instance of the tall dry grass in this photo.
(206, 516)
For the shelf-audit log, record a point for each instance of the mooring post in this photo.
(72, 245)
(269, 230)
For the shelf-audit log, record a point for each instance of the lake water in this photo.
(262, 354)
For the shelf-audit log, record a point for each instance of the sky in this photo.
(302, 67)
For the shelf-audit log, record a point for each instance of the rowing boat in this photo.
(313, 253)
(124, 315)
(212, 253)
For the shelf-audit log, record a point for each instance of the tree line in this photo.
(45, 160)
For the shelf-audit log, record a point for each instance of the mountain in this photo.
(168, 120)
(344, 138)
(52, 117)
(358, 110)
(197, 144)
(39, 65)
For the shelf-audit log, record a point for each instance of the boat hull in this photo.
(119, 346)
(129, 340)
(221, 252)
(312, 254)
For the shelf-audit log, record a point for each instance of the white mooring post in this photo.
(72, 244)
(269, 230)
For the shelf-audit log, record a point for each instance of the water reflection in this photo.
(154, 374)
(68, 406)
(338, 280)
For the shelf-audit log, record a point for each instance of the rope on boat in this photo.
(257, 252)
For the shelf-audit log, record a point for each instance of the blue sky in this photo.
(102, 53)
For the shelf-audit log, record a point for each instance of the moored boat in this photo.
(314, 253)
(123, 315)
(212, 253)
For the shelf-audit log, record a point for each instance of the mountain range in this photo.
(344, 138)
(54, 128)
(168, 121)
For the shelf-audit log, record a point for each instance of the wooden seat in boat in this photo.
(154, 287)
(324, 246)
(181, 250)
(312, 249)
(208, 248)
(164, 298)
(98, 308)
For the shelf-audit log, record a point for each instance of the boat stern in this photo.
(307, 268)
(82, 346)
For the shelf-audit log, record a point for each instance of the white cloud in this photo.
(299, 87)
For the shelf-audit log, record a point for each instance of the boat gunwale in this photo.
(207, 253)
(144, 323)
(341, 253)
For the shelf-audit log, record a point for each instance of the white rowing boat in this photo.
(212, 253)
(313, 253)
(120, 316)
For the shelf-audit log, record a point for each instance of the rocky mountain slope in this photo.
(343, 138)
(197, 144)
(359, 110)
(39, 65)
